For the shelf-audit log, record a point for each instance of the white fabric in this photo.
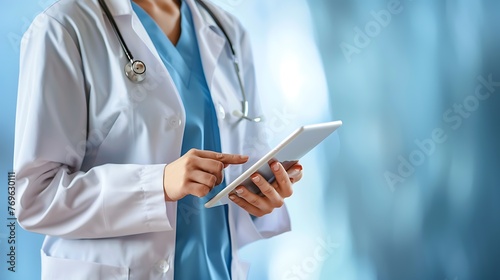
(91, 146)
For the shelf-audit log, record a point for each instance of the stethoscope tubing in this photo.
(126, 50)
(137, 77)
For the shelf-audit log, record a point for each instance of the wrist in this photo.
(167, 197)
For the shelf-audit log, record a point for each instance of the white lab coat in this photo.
(90, 146)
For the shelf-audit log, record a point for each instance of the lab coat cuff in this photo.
(250, 229)
(273, 224)
(157, 211)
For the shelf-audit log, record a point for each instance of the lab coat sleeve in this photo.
(278, 221)
(53, 196)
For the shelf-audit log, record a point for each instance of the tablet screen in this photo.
(288, 152)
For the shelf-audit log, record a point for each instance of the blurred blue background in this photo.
(409, 187)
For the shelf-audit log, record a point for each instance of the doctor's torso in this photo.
(72, 48)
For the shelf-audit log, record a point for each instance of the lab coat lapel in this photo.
(125, 16)
(143, 34)
(210, 42)
(120, 8)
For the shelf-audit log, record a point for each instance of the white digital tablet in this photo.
(288, 152)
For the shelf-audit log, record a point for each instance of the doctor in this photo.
(114, 165)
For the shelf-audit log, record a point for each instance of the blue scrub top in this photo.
(203, 247)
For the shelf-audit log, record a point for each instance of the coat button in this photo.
(162, 266)
(174, 122)
(221, 111)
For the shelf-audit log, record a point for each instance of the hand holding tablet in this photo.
(288, 152)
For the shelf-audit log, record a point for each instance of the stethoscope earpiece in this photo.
(135, 71)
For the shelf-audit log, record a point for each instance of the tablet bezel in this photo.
(215, 201)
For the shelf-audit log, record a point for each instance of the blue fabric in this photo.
(203, 247)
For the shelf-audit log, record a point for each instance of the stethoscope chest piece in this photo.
(135, 71)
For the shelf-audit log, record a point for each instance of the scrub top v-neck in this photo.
(203, 245)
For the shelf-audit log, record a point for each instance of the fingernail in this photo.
(256, 178)
(294, 172)
(276, 166)
(232, 197)
(243, 157)
(239, 190)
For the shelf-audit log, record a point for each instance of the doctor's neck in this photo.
(166, 13)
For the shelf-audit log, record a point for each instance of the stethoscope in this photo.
(135, 69)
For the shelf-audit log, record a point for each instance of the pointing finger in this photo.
(232, 159)
(224, 158)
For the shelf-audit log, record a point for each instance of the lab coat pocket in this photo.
(64, 269)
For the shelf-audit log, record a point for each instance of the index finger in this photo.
(224, 158)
